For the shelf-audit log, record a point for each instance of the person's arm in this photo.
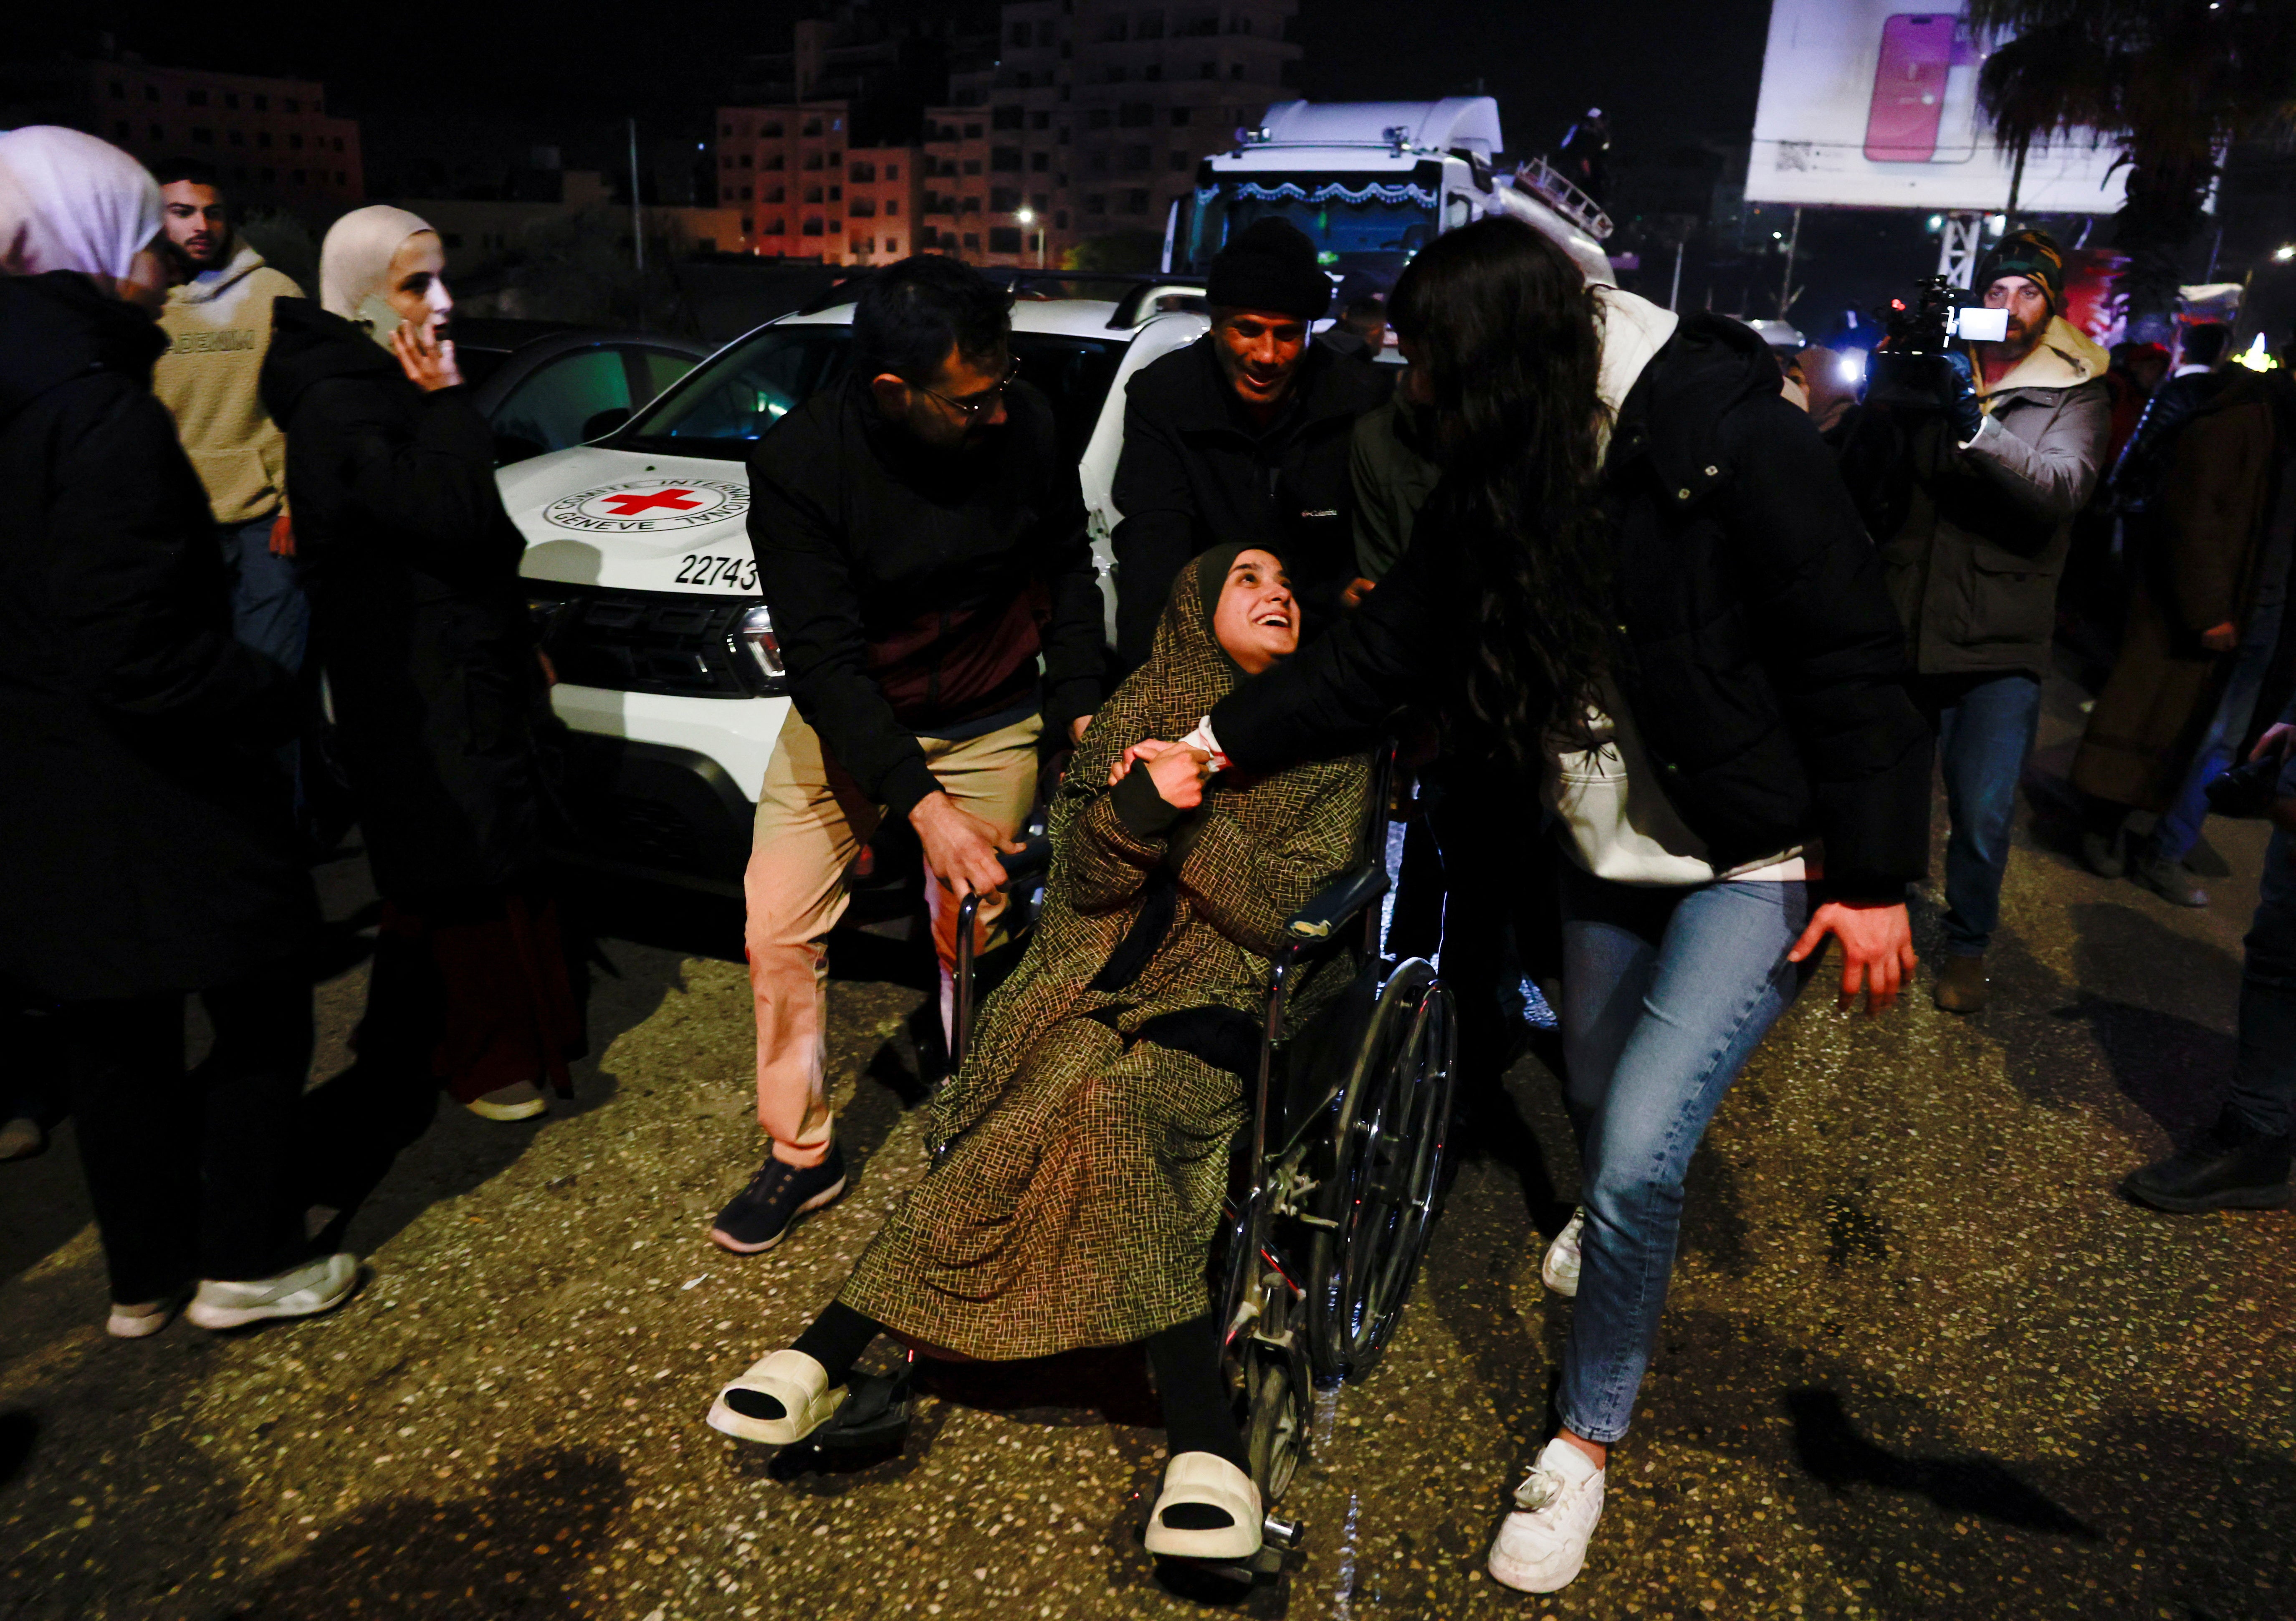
(806, 581)
(1074, 636)
(1834, 648)
(135, 590)
(1158, 532)
(1339, 688)
(2051, 477)
(1248, 888)
(1111, 840)
(433, 492)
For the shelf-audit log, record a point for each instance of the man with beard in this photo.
(218, 321)
(1242, 437)
(1972, 501)
(920, 545)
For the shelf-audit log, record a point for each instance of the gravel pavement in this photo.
(1919, 1358)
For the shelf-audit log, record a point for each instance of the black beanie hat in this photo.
(2033, 254)
(1271, 265)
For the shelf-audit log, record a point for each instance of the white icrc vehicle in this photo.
(642, 579)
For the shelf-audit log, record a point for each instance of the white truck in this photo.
(1373, 182)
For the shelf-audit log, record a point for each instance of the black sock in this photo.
(837, 1339)
(1198, 1416)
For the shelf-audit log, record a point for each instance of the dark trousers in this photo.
(191, 1174)
(2264, 1080)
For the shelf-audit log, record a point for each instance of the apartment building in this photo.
(1090, 119)
(273, 140)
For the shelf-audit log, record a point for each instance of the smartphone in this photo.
(1901, 126)
(376, 313)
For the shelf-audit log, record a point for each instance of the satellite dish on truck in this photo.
(1372, 183)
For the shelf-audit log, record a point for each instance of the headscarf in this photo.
(68, 202)
(355, 259)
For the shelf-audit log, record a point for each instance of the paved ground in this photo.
(1919, 1360)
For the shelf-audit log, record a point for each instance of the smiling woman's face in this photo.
(1257, 621)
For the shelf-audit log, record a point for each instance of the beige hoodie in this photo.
(220, 325)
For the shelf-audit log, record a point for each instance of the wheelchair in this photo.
(1336, 1186)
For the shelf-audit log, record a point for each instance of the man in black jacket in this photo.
(920, 543)
(1242, 437)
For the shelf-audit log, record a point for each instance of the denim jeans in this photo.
(1985, 726)
(2179, 826)
(269, 612)
(2263, 1077)
(1666, 993)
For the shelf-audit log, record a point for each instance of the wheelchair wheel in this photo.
(1385, 1169)
(1275, 1431)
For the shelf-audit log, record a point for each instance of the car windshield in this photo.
(722, 408)
(1358, 223)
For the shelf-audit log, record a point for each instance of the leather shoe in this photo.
(2232, 1166)
(1960, 986)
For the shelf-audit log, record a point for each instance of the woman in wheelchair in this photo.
(1082, 1150)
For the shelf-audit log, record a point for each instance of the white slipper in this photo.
(1210, 1481)
(793, 1380)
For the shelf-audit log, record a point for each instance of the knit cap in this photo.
(1271, 265)
(2034, 254)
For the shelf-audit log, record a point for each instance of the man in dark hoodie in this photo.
(145, 852)
(1242, 437)
(920, 543)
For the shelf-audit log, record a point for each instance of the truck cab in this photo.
(1372, 183)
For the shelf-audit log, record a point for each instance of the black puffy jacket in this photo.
(416, 612)
(1765, 667)
(146, 836)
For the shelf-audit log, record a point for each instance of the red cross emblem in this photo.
(630, 503)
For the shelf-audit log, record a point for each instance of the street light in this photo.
(1027, 218)
(2281, 255)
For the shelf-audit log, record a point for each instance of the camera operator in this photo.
(1973, 500)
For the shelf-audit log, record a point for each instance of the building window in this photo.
(728, 129)
(775, 194)
(1094, 203)
(288, 103)
(812, 228)
(1211, 70)
(118, 91)
(973, 166)
(297, 176)
(1114, 76)
(748, 193)
(1135, 201)
(1045, 33)
(973, 242)
(862, 207)
(1135, 159)
(150, 93)
(263, 104)
(813, 127)
(892, 244)
(231, 100)
(203, 137)
(861, 174)
(773, 160)
(1135, 115)
(1152, 72)
(972, 132)
(748, 226)
(1038, 162)
(235, 138)
(892, 207)
(892, 171)
(1004, 117)
(813, 194)
(1235, 69)
(1004, 160)
(773, 227)
(269, 175)
(837, 193)
(1004, 199)
(1019, 35)
(724, 159)
(1095, 118)
(1040, 120)
(813, 159)
(294, 143)
(263, 138)
(195, 98)
(1003, 239)
(1182, 163)
(1060, 219)
(744, 160)
(727, 194)
(342, 178)
(772, 132)
(1096, 161)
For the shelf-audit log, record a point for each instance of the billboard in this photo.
(1873, 103)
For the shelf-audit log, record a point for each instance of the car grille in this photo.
(650, 641)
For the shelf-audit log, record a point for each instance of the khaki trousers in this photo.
(812, 822)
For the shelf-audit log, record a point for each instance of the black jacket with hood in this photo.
(416, 612)
(1763, 664)
(1197, 472)
(146, 836)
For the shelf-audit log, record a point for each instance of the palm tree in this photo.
(2173, 82)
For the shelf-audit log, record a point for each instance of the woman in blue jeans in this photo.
(1642, 579)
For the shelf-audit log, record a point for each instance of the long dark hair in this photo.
(1508, 331)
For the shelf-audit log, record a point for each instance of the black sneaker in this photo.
(2232, 1166)
(762, 1214)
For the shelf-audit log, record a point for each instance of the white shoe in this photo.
(1543, 1545)
(302, 1291)
(144, 1321)
(1560, 1271)
(792, 1381)
(1209, 1481)
(519, 1100)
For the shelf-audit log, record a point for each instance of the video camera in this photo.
(1911, 369)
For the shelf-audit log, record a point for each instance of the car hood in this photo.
(592, 515)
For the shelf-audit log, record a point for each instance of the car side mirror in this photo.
(604, 422)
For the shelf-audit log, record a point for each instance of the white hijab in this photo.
(68, 202)
(355, 261)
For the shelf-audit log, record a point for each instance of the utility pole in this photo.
(637, 210)
(1786, 287)
(1675, 291)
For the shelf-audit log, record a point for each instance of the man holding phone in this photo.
(1972, 502)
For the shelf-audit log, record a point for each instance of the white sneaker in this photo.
(301, 1291)
(789, 1380)
(141, 1320)
(519, 1100)
(1205, 1480)
(1543, 1545)
(1560, 1271)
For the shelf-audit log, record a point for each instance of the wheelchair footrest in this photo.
(877, 1412)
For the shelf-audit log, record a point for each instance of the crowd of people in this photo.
(1675, 637)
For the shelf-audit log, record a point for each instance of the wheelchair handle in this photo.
(1024, 869)
(1336, 904)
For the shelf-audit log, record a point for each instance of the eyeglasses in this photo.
(971, 410)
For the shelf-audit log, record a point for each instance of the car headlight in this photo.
(755, 633)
